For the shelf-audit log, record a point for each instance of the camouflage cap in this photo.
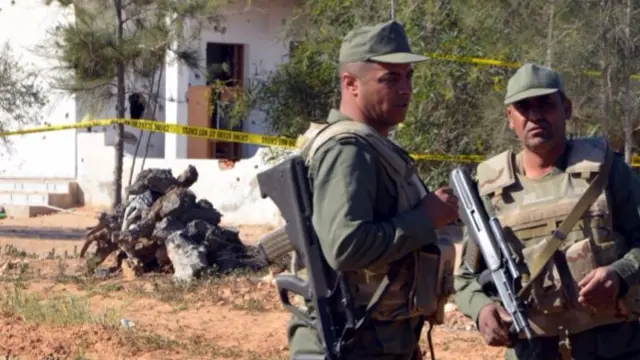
(532, 80)
(385, 42)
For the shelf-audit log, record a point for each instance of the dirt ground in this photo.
(50, 310)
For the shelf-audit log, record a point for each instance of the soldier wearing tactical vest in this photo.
(371, 212)
(570, 210)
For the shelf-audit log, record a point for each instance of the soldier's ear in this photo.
(509, 114)
(349, 83)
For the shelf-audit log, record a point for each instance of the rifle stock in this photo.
(487, 234)
(275, 244)
(287, 185)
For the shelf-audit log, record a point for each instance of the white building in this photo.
(44, 163)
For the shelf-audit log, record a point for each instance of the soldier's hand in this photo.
(442, 207)
(600, 288)
(494, 323)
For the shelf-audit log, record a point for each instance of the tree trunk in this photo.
(153, 113)
(628, 107)
(393, 9)
(139, 140)
(120, 106)
(550, 40)
(606, 68)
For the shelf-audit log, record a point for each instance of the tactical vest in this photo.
(423, 279)
(531, 209)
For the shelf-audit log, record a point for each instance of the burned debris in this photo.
(163, 227)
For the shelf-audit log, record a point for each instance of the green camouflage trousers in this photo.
(610, 342)
(382, 341)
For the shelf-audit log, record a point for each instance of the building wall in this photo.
(52, 154)
(234, 192)
(259, 28)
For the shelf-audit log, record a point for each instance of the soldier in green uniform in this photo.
(584, 304)
(370, 208)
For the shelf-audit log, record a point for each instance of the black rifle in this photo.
(288, 186)
(488, 236)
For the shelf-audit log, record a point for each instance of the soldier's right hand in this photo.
(494, 323)
(441, 206)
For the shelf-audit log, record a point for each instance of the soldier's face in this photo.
(385, 92)
(540, 122)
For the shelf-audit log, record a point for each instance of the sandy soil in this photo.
(235, 317)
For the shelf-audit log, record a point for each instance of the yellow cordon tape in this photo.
(230, 136)
(155, 126)
(501, 63)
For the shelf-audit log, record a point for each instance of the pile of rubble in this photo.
(162, 227)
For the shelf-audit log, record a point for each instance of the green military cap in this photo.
(385, 42)
(532, 80)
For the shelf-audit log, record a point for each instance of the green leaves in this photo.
(90, 49)
(21, 92)
(457, 106)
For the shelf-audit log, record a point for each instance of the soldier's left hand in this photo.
(600, 288)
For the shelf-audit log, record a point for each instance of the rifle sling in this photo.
(557, 237)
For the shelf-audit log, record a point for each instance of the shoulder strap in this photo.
(392, 161)
(495, 174)
(557, 237)
(312, 131)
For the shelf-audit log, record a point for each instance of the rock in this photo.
(177, 202)
(188, 259)
(102, 273)
(210, 215)
(127, 324)
(225, 259)
(232, 236)
(137, 209)
(204, 203)
(196, 230)
(164, 227)
(145, 250)
(214, 238)
(188, 177)
(155, 180)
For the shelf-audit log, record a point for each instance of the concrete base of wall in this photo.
(27, 211)
(33, 197)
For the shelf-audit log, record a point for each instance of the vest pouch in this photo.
(424, 299)
(394, 304)
(582, 257)
(547, 293)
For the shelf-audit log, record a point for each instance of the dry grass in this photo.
(59, 310)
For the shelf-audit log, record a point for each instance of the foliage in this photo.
(21, 92)
(457, 106)
(114, 45)
(90, 51)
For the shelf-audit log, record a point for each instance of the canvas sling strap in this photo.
(594, 190)
(395, 165)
